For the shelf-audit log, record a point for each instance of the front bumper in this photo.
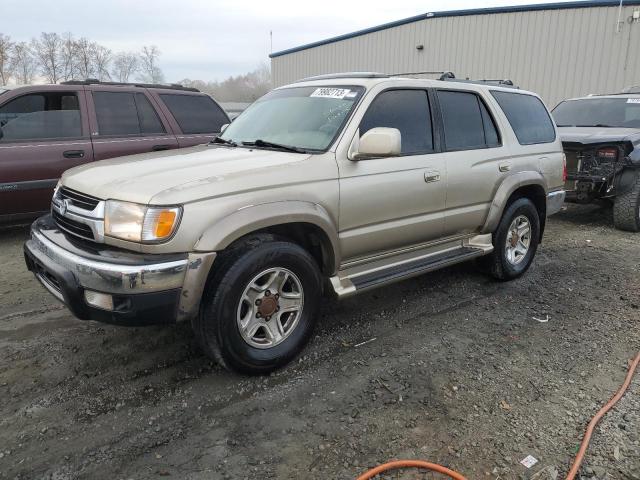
(555, 200)
(144, 289)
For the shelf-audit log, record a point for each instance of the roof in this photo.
(459, 13)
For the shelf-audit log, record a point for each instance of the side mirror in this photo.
(376, 143)
(223, 127)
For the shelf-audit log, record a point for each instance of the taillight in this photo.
(565, 174)
(610, 153)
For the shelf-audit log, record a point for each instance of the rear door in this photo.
(476, 159)
(44, 132)
(195, 117)
(124, 122)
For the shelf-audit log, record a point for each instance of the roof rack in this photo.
(95, 81)
(450, 77)
(329, 76)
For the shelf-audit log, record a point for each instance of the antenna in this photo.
(271, 37)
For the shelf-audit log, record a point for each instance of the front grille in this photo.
(73, 227)
(77, 199)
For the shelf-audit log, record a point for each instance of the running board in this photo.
(355, 280)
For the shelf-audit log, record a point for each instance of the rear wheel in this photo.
(515, 241)
(259, 309)
(626, 209)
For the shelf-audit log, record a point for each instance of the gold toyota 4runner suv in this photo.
(338, 183)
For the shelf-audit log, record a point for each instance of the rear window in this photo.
(467, 123)
(528, 117)
(125, 113)
(195, 113)
(37, 116)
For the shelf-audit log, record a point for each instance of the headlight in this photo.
(139, 223)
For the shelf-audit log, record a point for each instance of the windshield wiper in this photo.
(601, 125)
(263, 143)
(224, 141)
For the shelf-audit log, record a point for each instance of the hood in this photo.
(165, 177)
(598, 134)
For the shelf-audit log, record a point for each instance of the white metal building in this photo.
(558, 50)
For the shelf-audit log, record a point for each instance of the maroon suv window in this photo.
(125, 113)
(195, 113)
(38, 116)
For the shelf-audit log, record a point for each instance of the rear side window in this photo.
(37, 116)
(466, 121)
(125, 113)
(195, 113)
(406, 110)
(528, 117)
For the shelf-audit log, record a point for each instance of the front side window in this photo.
(39, 116)
(466, 121)
(599, 112)
(195, 113)
(406, 110)
(528, 117)
(125, 113)
(307, 118)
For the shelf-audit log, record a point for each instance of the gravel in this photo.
(450, 367)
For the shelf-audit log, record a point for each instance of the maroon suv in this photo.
(47, 129)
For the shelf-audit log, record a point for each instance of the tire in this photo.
(501, 263)
(245, 290)
(626, 209)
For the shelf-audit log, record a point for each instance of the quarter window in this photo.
(125, 113)
(41, 116)
(406, 110)
(466, 121)
(528, 117)
(195, 113)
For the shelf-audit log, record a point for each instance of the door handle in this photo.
(158, 148)
(73, 154)
(505, 167)
(432, 176)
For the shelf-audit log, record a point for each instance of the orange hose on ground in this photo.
(576, 463)
(594, 421)
(410, 464)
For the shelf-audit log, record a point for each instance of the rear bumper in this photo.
(555, 200)
(143, 289)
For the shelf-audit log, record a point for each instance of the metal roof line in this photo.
(458, 13)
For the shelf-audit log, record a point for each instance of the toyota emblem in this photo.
(64, 205)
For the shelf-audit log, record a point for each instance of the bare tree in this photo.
(149, 68)
(101, 57)
(47, 52)
(6, 50)
(23, 63)
(242, 88)
(125, 64)
(84, 58)
(68, 57)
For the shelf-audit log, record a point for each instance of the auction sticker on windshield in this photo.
(327, 92)
(633, 100)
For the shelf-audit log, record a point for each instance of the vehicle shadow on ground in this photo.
(599, 214)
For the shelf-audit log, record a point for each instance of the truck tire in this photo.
(515, 241)
(260, 306)
(626, 209)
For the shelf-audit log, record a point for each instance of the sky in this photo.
(211, 40)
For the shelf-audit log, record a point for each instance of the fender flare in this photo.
(509, 185)
(243, 221)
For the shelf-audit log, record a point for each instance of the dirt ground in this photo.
(450, 367)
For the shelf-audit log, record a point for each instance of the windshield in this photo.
(307, 118)
(598, 112)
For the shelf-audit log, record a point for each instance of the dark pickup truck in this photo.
(47, 129)
(601, 139)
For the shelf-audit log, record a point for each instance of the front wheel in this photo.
(626, 209)
(515, 241)
(260, 307)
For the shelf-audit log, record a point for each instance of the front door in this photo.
(391, 203)
(43, 133)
